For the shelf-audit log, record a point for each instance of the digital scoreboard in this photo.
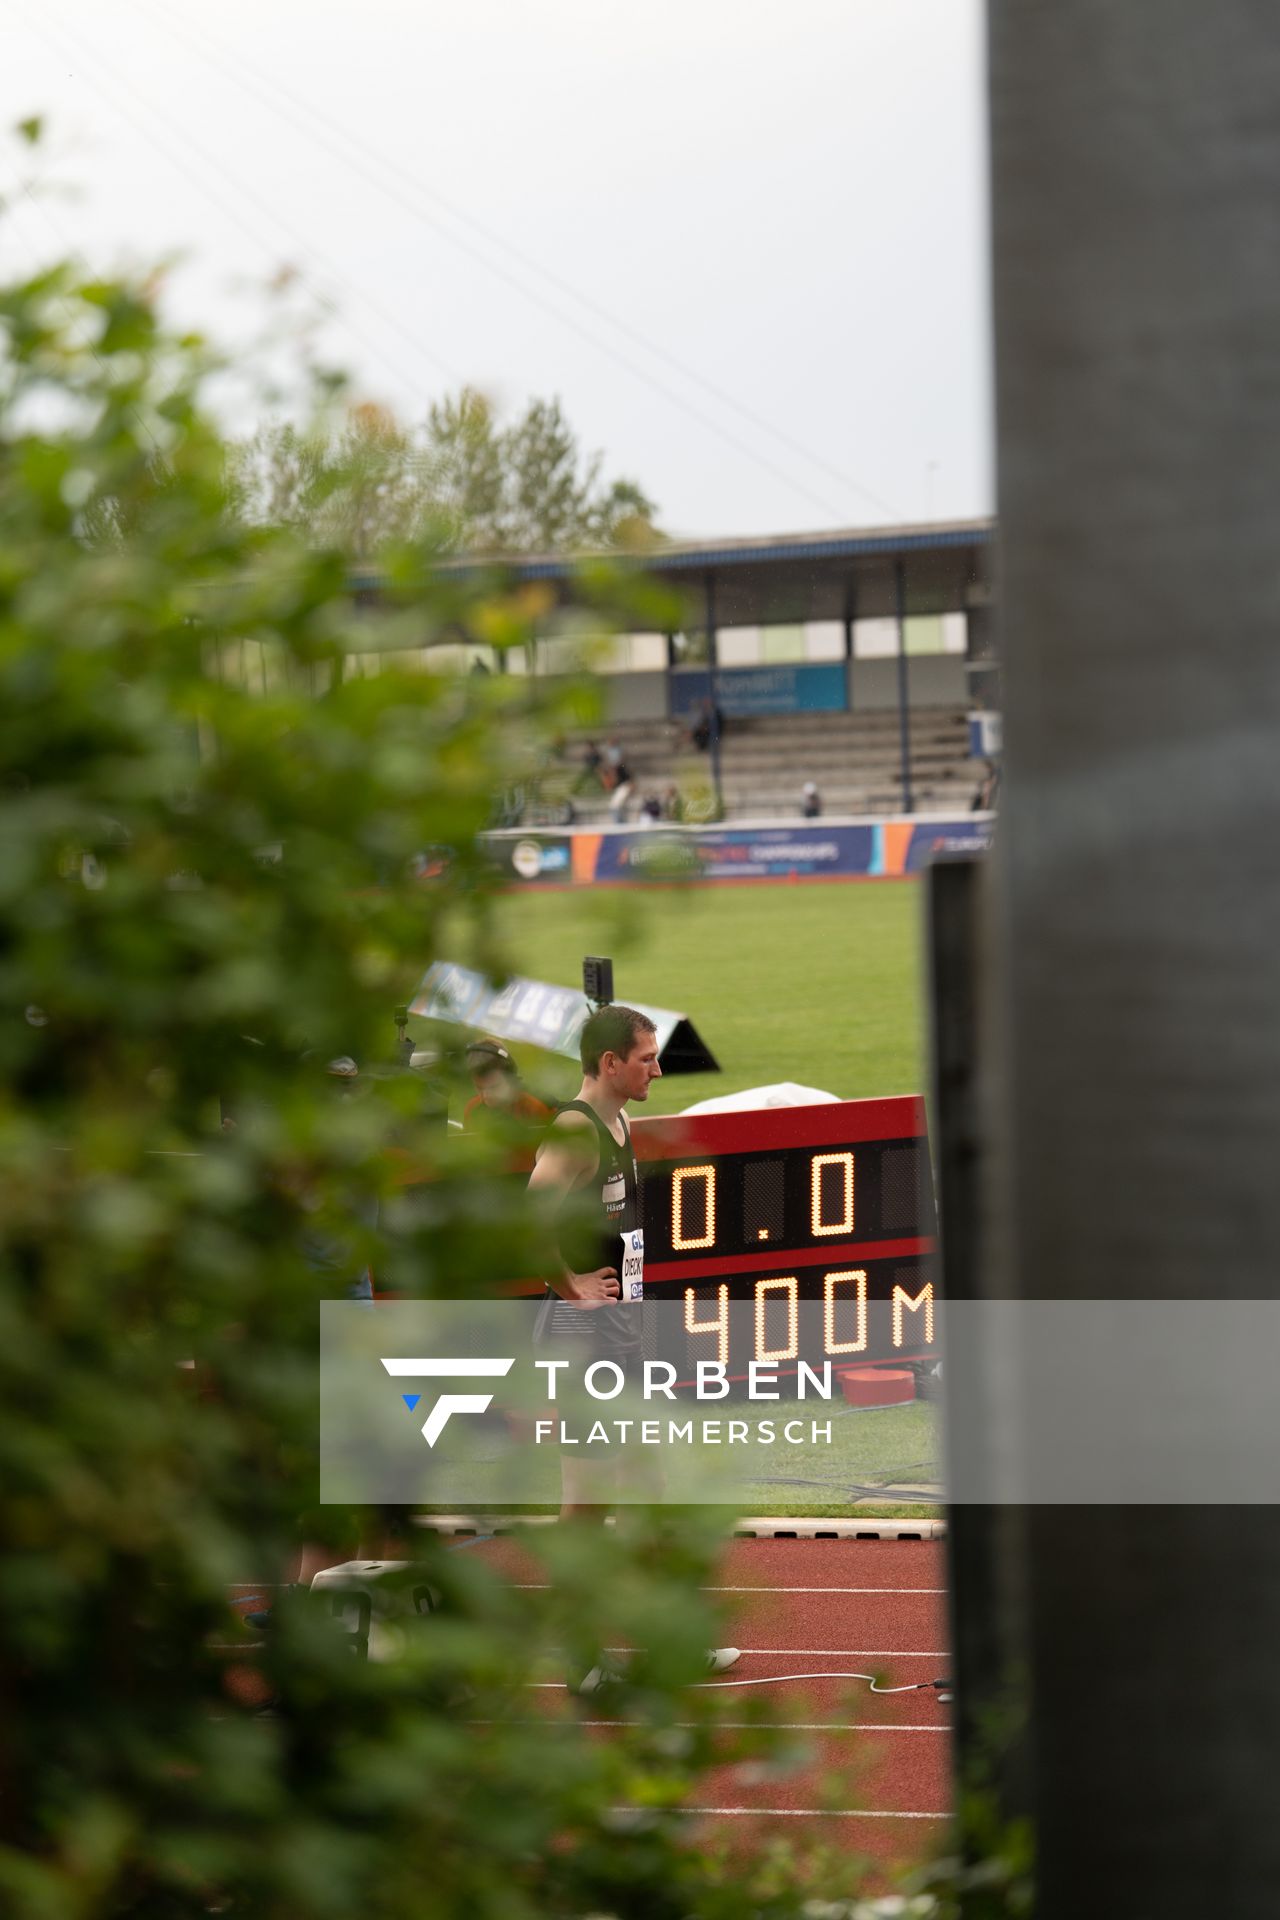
(820, 1218)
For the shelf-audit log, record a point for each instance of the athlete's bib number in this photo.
(633, 1264)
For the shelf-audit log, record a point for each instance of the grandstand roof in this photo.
(776, 579)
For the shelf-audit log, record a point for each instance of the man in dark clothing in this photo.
(588, 1153)
(707, 727)
(590, 774)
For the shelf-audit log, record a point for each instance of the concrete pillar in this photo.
(1136, 171)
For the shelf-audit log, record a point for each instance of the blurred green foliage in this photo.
(216, 774)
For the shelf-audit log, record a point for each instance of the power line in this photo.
(395, 188)
(178, 161)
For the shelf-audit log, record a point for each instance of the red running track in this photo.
(873, 1769)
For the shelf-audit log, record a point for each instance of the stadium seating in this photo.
(853, 758)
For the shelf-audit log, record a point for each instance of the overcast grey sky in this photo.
(745, 243)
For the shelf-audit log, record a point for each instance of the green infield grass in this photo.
(883, 1461)
(881, 1457)
(817, 982)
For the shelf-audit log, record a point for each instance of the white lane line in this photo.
(701, 1686)
(540, 1586)
(789, 1726)
(822, 1589)
(752, 1726)
(827, 1653)
(799, 1813)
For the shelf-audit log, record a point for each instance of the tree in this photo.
(208, 820)
(358, 488)
(554, 502)
(459, 482)
(465, 469)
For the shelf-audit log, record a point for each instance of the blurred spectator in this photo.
(810, 801)
(672, 804)
(501, 1101)
(651, 809)
(589, 774)
(707, 727)
(617, 779)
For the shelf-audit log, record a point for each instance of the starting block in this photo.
(374, 1601)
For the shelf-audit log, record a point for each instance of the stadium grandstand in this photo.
(860, 663)
(851, 660)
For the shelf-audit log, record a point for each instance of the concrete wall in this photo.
(933, 680)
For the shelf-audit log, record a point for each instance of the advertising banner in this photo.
(738, 853)
(745, 691)
(830, 849)
(948, 840)
(532, 858)
(986, 736)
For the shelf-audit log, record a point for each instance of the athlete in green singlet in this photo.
(588, 1151)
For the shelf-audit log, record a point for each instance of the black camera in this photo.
(597, 980)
